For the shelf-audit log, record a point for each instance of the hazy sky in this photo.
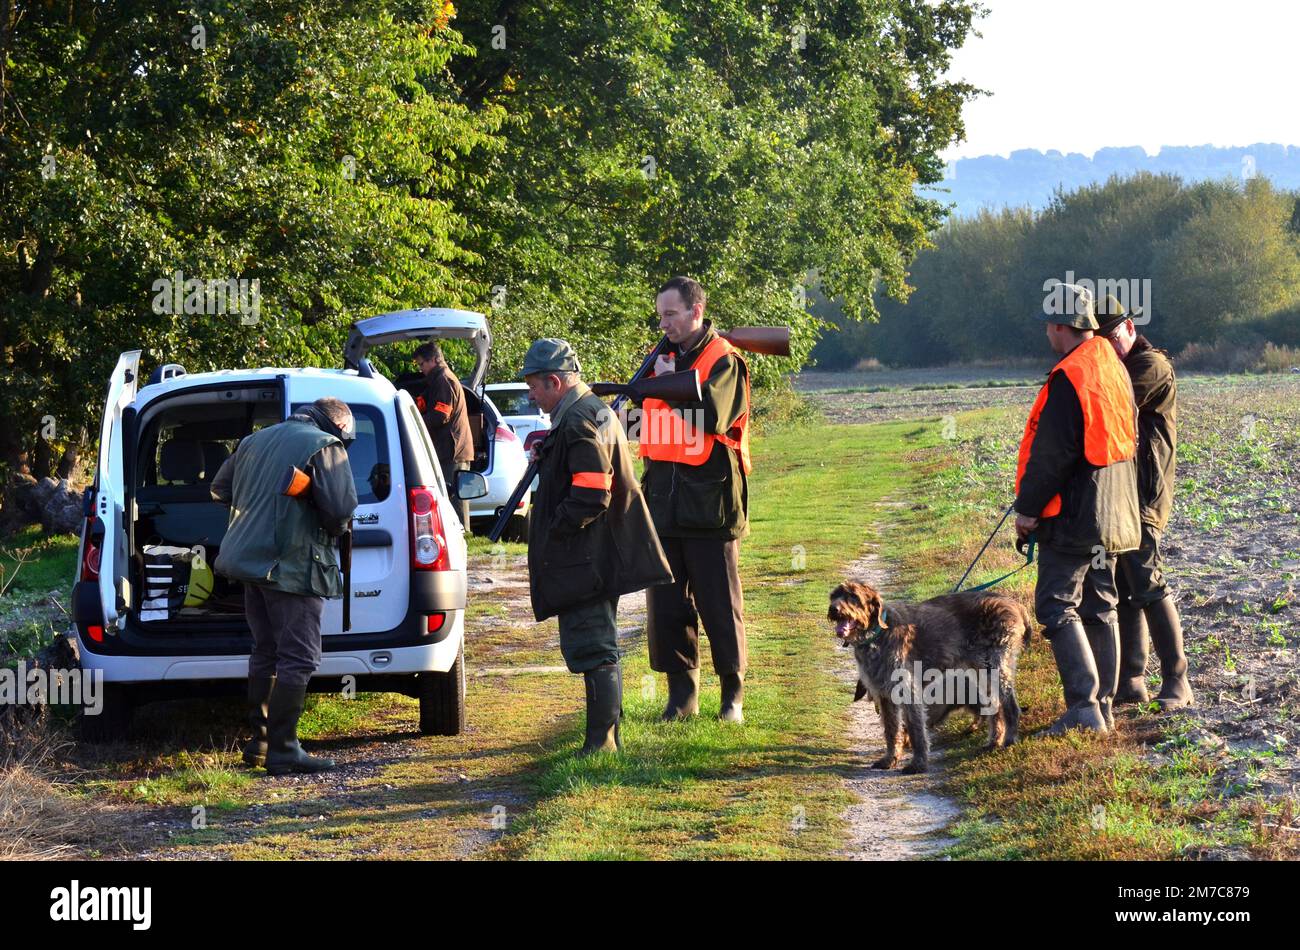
(1078, 75)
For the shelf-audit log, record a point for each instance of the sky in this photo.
(1079, 75)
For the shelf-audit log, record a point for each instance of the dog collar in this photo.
(877, 631)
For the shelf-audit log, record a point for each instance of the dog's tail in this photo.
(1028, 621)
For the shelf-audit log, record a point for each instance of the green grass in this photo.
(1078, 797)
(50, 562)
(773, 788)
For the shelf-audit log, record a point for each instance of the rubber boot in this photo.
(283, 753)
(604, 708)
(1132, 656)
(733, 696)
(683, 695)
(1078, 679)
(259, 695)
(1167, 637)
(1103, 638)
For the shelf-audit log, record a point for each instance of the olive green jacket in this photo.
(709, 500)
(588, 541)
(1156, 393)
(276, 541)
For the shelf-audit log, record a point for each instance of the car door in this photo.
(110, 491)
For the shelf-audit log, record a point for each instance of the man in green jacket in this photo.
(281, 548)
(1076, 492)
(591, 538)
(696, 483)
(1145, 603)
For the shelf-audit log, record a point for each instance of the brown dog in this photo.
(919, 662)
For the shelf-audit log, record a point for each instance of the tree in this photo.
(759, 148)
(311, 147)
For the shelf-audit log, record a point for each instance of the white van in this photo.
(160, 447)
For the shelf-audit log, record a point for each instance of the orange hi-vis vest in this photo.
(667, 437)
(1109, 426)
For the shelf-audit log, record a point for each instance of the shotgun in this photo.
(676, 387)
(530, 473)
(670, 387)
(771, 341)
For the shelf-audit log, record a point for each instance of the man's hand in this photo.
(1024, 525)
(664, 364)
(535, 452)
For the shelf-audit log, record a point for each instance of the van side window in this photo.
(368, 454)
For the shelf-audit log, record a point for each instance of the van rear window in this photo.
(368, 454)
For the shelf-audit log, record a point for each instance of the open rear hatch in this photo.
(427, 323)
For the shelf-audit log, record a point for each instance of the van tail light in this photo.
(91, 554)
(435, 622)
(95, 632)
(506, 435)
(428, 540)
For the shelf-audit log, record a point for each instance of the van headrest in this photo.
(214, 453)
(181, 461)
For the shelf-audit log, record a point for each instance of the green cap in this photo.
(1111, 313)
(1070, 305)
(550, 355)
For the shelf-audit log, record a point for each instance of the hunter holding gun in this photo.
(591, 538)
(290, 492)
(696, 469)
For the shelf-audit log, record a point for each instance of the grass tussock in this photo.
(38, 820)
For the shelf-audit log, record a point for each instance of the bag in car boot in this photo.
(166, 581)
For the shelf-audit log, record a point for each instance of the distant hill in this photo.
(1029, 177)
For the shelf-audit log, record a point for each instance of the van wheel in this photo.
(517, 527)
(442, 700)
(113, 723)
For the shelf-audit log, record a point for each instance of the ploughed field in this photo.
(1232, 549)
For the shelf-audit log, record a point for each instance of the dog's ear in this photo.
(875, 607)
(859, 692)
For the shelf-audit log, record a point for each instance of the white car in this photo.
(519, 412)
(160, 447)
(498, 456)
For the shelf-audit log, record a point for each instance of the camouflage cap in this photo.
(1070, 305)
(1111, 313)
(550, 355)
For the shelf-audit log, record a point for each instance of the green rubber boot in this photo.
(604, 708)
(1078, 671)
(259, 695)
(283, 753)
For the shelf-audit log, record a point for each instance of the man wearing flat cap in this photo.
(1146, 608)
(1076, 493)
(591, 538)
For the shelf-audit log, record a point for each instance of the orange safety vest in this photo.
(1109, 426)
(667, 437)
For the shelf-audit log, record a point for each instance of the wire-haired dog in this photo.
(919, 662)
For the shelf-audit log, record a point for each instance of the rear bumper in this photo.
(430, 592)
(403, 660)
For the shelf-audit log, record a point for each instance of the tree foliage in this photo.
(1217, 258)
(549, 161)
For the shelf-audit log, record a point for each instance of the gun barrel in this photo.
(771, 341)
(671, 387)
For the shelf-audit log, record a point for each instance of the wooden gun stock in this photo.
(770, 341)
